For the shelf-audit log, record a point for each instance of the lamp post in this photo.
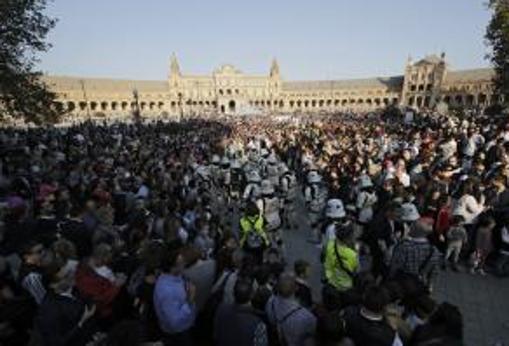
(136, 111)
(85, 97)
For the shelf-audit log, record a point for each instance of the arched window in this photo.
(299, 103)
(143, 105)
(291, 103)
(306, 103)
(124, 105)
(104, 105)
(70, 106)
(83, 105)
(313, 103)
(459, 99)
(114, 106)
(152, 105)
(93, 105)
(160, 105)
(321, 103)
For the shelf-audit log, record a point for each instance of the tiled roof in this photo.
(469, 75)
(61, 83)
(344, 84)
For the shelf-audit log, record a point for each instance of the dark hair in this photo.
(243, 290)
(171, 256)
(300, 267)
(449, 317)
(252, 209)
(375, 299)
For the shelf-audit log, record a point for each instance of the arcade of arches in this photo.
(424, 83)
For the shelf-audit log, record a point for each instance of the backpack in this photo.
(276, 333)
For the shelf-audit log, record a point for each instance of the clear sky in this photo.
(317, 39)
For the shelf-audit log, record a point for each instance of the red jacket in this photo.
(443, 222)
(94, 287)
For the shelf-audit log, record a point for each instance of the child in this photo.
(456, 239)
(483, 243)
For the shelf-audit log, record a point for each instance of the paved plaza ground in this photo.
(484, 301)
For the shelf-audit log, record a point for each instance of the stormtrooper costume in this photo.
(289, 193)
(270, 207)
(252, 189)
(315, 195)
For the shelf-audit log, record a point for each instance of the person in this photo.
(381, 237)
(444, 327)
(341, 262)
(483, 243)
(252, 189)
(270, 206)
(415, 255)
(245, 325)
(253, 237)
(303, 292)
(30, 274)
(288, 188)
(365, 324)
(96, 281)
(315, 196)
(366, 200)
(335, 215)
(293, 324)
(174, 301)
(456, 240)
(63, 318)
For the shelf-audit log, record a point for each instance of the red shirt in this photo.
(96, 288)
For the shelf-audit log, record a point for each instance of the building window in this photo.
(421, 87)
(428, 87)
(412, 87)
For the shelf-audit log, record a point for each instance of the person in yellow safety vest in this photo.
(253, 238)
(341, 263)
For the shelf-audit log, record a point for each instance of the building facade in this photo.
(424, 84)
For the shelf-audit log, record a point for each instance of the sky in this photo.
(319, 39)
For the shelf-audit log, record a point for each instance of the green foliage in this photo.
(23, 30)
(497, 34)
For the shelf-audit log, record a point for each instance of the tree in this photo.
(23, 30)
(497, 35)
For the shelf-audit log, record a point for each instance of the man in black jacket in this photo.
(239, 323)
(63, 318)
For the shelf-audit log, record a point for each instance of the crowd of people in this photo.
(173, 233)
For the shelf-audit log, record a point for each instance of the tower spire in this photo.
(274, 69)
(174, 66)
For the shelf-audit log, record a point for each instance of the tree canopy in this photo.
(497, 35)
(23, 31)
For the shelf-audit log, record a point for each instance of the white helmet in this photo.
(225, 161)
(216, 159)
(283, 168)
(236, 164)
(335, 209)
(267, 188)
(409, 212)
(203, 172)
(314, 177)
(365, 181)
(253, 177)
